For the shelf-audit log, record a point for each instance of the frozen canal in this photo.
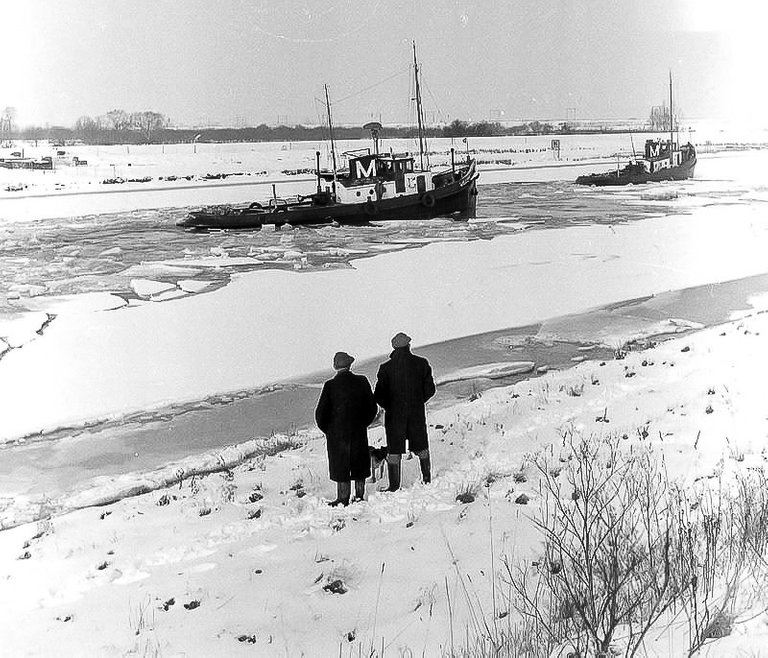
(107, 315)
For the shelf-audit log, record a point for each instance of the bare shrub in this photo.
(607, 566)
(722, 541)
(626, 552)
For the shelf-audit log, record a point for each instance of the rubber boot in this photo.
(342, 494)
(359, 489)
(393, 473)
(426, 468)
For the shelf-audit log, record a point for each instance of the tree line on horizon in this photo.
(148, 127)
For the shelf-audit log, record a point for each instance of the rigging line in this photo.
(434, 100)
(322, 122)
(368, 88)
(412, 110)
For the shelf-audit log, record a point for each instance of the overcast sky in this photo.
(238, 62)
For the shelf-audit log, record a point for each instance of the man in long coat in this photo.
(403, 386)
(345, 409)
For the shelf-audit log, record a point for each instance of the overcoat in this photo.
(403, 386)
(345, 409)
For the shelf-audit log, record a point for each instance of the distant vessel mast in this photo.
(330, 130)
(419, 115)
(671, 121)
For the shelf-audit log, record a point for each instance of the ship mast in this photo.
(330, 130)
(671, 122)
(419, 111)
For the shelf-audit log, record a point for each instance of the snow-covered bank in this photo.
(104, 490)
(268, 326)
(125, 178)
(253, 560)
(52, 466)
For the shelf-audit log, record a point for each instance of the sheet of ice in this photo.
(487, 371)
(21, 328)
(269, 326)
(194, 285)
(89, 302)
(759, 302)
(147, 287)
(215, 261)
(166, 295)
(160, 269)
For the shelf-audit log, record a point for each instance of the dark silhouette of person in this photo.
(403, 385)
(345, 409)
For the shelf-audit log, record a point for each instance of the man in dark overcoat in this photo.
(403, 386)
(345, 409)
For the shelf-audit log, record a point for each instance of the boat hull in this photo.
(459, 197)
(681, 172)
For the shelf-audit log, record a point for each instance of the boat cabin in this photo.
(379, 176)
(661, 154)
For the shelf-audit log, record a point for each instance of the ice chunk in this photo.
(488, 371)
(82, 303)
(683, 325)
(114, 251)
(192, 285)
(168, 294)
(20, 328)
(162, 269)
(147, 287)
(215, 261)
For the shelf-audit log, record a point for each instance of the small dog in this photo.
(378, 461)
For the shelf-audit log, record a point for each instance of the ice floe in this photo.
(88, 302)
(147, 287)
(487, 371)
(19, 328)
(194, 285)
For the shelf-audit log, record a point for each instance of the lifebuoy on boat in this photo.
(255, 206)
(370, 208)
(428, 200)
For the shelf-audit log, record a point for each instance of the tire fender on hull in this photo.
(428, 200)
(370, 208)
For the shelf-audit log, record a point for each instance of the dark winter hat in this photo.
(342, 360)
(401, 340)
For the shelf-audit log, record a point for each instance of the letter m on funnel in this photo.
(362, 172)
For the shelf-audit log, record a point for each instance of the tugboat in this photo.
(664, 160)
(374, 186)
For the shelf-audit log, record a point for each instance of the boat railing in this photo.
(356, 152)
(277, 204)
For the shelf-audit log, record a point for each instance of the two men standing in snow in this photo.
(347, 406)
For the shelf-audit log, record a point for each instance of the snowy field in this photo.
(120, 178)
(107, 309)
(251, 561)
